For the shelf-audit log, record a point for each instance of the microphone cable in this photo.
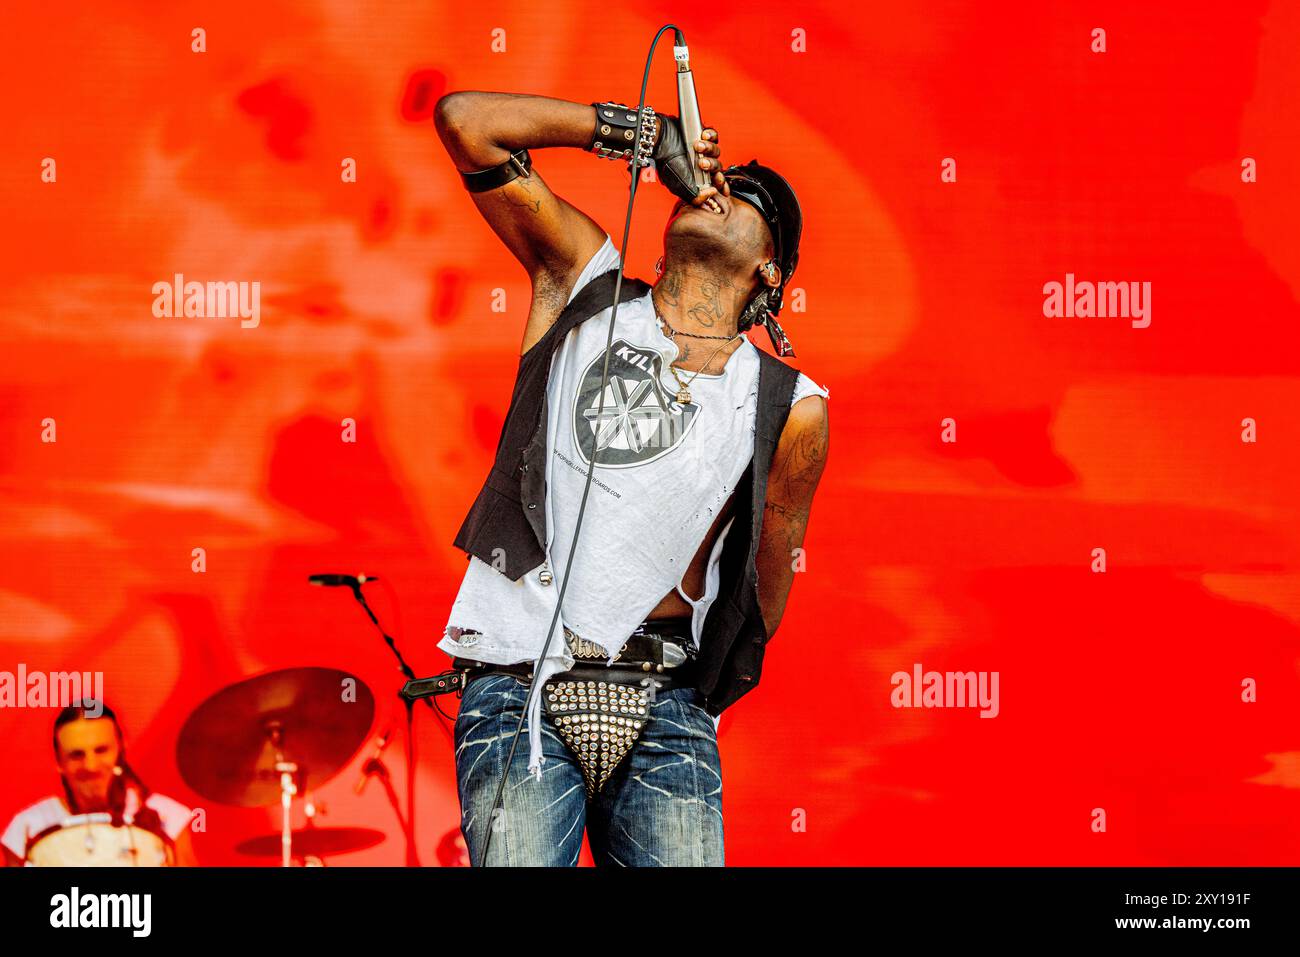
(591, 471)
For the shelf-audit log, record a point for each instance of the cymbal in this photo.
(314, 841)
(316, 718)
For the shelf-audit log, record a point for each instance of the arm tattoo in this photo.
(790, 489)
(794, 522)
(805, 461)
(525, 200)
(785, 511)
(797, 475)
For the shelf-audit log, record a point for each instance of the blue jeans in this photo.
(661, 807)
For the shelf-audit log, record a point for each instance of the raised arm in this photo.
(796, 470)
(552, 239)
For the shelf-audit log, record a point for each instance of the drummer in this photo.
(91, 757)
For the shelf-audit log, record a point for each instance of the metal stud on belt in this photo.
(599, 721)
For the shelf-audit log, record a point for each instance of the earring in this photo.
(659, 266)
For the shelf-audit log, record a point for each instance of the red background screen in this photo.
(923, 301)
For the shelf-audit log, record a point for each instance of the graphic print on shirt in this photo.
(641, 421)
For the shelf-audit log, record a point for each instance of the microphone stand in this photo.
(376, 768)
(412, 857)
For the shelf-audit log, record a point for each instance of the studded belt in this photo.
(600, 710)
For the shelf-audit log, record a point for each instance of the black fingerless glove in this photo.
(674, 159)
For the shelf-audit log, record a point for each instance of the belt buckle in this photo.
(586, 650)
(680, 654)
(674, 650)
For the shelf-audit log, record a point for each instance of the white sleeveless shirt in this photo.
(666, 469)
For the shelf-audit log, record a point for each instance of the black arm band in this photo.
(519, 164)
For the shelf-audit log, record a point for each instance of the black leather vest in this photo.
(506, 525)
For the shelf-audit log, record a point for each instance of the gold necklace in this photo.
(683, 390)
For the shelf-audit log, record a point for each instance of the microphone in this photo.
(688, 109)
(117, 797)
(341, 581)
(372, 764)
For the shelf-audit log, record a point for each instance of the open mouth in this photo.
(704, 207)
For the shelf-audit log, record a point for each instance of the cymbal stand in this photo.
(288, 771)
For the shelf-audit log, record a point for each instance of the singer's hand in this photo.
(710, 151)
(708, 155)
(674, 157)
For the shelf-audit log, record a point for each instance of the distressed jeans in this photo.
(661, 807)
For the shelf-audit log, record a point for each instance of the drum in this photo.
(90, 840)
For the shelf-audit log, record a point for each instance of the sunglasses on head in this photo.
(752, 192)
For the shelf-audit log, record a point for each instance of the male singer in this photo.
(707, 452)
(91, 757)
